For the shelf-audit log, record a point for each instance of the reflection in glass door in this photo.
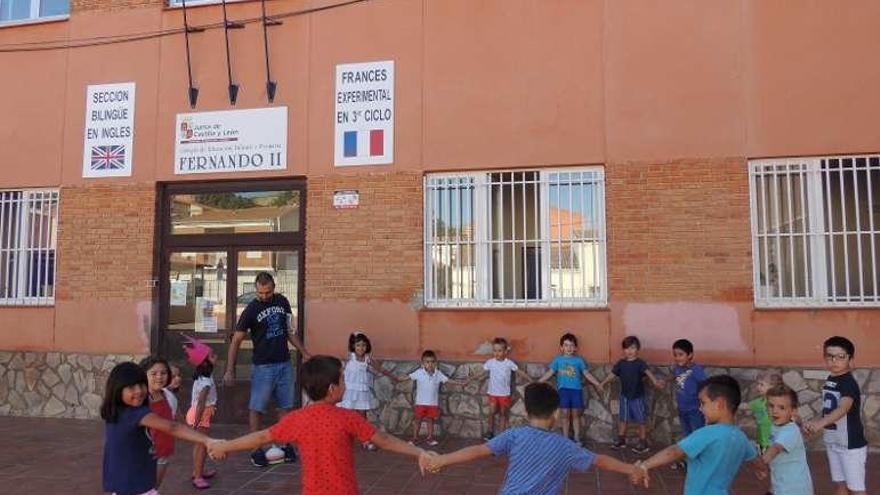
(197, 293)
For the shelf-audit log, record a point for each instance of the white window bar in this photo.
(820, 213)
(28, 227)
(523, 238)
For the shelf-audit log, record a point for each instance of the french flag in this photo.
(372, 139)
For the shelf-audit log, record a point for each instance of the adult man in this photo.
(269, 320)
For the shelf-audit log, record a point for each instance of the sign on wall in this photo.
(364, 114)
(109, 130)
(231, 141)
(346, 199)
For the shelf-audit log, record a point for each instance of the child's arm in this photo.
(608, 379)
(479, 376)
(666, 456)
(218, 450)
(548, 375)
(608, 463)
(771, 453)
(389, 442)
(377, 367)
(817, 425)
(525, 376)
(657, 382)
(467, 454)
(177, 430)
(592, 381)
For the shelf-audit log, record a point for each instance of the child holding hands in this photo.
(323, 433)
(498, 369)
(632, 371)
(569, 368)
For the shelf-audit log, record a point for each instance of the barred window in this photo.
(515, 238)
(816, 231)
(28, 229)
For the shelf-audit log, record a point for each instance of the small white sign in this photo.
(178, 292)
(364, 114)
(109, 131)
(231, 141)
(346, 199)
(206, 320)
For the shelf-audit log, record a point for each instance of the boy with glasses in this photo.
(844, 434)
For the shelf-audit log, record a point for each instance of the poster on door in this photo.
(206, 319)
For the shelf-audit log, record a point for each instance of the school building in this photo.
(436, 173)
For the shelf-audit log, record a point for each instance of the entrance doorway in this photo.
(215, 238)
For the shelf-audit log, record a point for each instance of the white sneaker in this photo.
(274, 455)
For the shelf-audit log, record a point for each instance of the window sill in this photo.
(38, 20)
(517, 307)
(813, 306)
(26, 303)
(201, 3)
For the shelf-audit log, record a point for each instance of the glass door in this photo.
(215, 238)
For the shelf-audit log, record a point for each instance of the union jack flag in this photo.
(108, 157)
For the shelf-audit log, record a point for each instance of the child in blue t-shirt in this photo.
(539, 459)
(714, 452)
(569, 368)
(786, 454)
(687, 378)
(129, 462)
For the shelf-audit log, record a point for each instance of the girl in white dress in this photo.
(358, 373)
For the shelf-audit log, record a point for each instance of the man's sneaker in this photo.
(258, 458)
(289, 453)
(620, 443)
(274, 455)
(641, 448)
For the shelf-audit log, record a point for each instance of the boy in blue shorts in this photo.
(539, 459)
(715, 452)
(632, 372)
(569, 368)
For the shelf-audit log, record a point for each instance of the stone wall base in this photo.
(54, 384)
(70, 385)
(463, 409)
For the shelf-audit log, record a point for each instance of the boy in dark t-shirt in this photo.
(841, 422)
(631, 370)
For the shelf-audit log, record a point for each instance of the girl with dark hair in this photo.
(358, 377)
(129, 465)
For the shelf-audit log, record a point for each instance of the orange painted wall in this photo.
(489, 84)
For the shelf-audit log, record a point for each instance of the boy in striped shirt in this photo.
(540, 459)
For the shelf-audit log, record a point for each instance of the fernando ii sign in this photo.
(231, 141)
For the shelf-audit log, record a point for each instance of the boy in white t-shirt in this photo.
(427, 403)
(499, 369)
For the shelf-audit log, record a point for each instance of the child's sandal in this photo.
(201, 483)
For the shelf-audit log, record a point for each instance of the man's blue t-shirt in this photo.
(569, 370)
(789, 471)
(129, 465)
(687, 380)
(539, 460)
(714, 455)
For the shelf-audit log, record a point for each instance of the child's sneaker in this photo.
(641, 448)
(488, 436)
(679, 466)
(432, 442)
(200, 483)
(289, 453)
(274, 455)
(370, 447)
(258, 458)
(620, 443)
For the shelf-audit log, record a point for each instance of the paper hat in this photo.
(196, 350)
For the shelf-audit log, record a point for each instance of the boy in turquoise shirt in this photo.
(714, 452)
(569, 368)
